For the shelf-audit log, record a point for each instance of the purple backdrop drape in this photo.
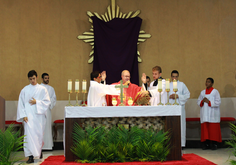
(115, 47)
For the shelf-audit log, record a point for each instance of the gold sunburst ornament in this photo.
(113, 11)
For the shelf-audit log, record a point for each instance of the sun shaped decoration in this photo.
(112, 12)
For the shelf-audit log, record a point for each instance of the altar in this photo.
(170, 115)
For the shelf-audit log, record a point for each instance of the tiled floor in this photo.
(220, 156)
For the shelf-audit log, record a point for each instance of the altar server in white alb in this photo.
(98, 91)
(153, 89)
(209, 101)
(182, 96)
(47, 138)
(32, 108)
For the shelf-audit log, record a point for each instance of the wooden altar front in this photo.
(172, 116)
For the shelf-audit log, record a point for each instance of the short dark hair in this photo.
(94, 74)
(45, 74)
(157, 68)
(174, 71)
(211, 79)
(32, 73)
(148, 77)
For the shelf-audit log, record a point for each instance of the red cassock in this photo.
(131, 91)
(210, 131)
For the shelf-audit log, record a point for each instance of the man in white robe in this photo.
(47, 138)
(182, 96)
(98, 91)
(32, 108)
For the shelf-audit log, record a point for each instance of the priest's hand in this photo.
(33, 101)
(104, 75)
(25, 119)
(143, 78)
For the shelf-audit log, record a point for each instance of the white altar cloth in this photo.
(122, 111)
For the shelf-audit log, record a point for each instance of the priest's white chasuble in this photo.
(47, 138)
(183, 96)
(34, 128)
(97, 93)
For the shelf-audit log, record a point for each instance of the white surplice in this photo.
(36, 114)
(155, 99)
(47, 138)
(211, 113)
(97, 93)
(184, 95)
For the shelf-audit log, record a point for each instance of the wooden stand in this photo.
(2, 113)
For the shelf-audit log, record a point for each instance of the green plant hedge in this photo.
(232, 143)
(10, 143)
(119, 144)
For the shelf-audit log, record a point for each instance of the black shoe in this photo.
(205, 146)
(214, 147)
(41, 156)
(30, 160)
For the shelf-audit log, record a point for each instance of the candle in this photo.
(159, 84)
(84, 84)
(77, 85)
(167, 83)
(175, 84)
(69, 85)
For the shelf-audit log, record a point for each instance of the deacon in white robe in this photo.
(32, 108)
(98, 91)
(47, 138)
(182, 96)
(153, 89)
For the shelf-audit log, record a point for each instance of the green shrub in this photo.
(10, 143)
(232, 142)
(119, 144)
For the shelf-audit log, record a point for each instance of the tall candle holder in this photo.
(160, 90)
(168, 90)
(175, 89)
(69, 91)
(76, 92)
(84, 84)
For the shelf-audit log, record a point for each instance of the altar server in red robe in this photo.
(129, 92)
(209, 101)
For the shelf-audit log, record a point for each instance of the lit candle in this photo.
(69, 85)
(77, 85)
(175, 84)
(159, 84)
(84, 84)
(167, 83)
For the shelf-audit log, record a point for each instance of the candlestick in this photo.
(160, 90)
(159, 85)
(175, 86)
(168, 90)
(69, 86)
(76, 92)
(77, 85)
(175, 89)
(84, 84)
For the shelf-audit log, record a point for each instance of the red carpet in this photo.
(187, 159)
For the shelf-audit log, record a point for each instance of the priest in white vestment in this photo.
(47, 138)
(98, 91)
(182, 96)
(32, 108)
